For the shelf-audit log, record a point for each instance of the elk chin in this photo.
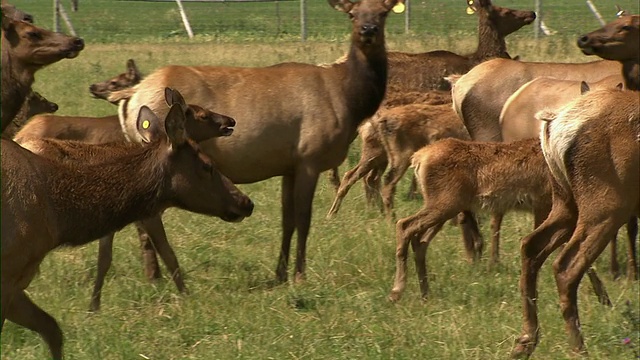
(226, 131)
(72, 54)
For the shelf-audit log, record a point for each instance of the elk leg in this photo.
(632, 261)
(569, 267)
(334, 178)
(350, 178)
(24, 312)
(373, 183)
(154, 227)
(149, 259)
(420, 246)
(288, 227)
(534, 250)
(394, 175)
(105, 257)
(496, 223)
(304, 190)
(598, 287)
(615, 266)
(412, 194)
(471, 237)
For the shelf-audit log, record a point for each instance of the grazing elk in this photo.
(302, 117)
(126, 80)
(200, 124)
(33, 105)
(426, 71)
(591, 148)
(456, 176)
(40, 214)
(27, 48)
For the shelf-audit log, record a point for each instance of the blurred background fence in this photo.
(255, 20)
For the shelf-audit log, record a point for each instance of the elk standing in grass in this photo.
(592, 147)
(41, 212)
(301, 117)
(203, 124)
(25, 49)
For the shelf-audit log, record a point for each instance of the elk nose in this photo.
(54, 107)
(92, 87)
(28, 18)
(78, 43)
(583, 40)
(231, 122)
(368, 30)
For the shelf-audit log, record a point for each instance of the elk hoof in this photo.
(394, 296)
(523, 348)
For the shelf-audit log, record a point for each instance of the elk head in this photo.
(368, 18)
(618, 40)
(506, 20)
(126, 80)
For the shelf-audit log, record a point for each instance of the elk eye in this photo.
(627, 28)
(34, 35)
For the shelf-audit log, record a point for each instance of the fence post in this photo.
(56, 15)
(407, 16)
(538, 21)
(185, 20)
(303, 20)
(595, 12)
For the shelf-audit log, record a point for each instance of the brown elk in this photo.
(33, 105)
(592, 151)
(456, 176)
(203, 124)
(302, 117)
(39, 210)
(27, 48)
(129, 78)
(426, 71)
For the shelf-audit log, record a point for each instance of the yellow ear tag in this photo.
(399, 8)
(470, 10)
(146, 124)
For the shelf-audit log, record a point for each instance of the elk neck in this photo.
(631, 74)
(365, 81)
(490, 43)
(108, 195)
(17, 84)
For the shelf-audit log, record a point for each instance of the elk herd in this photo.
(483, 131)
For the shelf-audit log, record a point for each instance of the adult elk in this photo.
(301, 117)
(426, 71)
(592, 151)
(200, 124)
(27, 48)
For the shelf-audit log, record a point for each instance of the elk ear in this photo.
(620, 86)
(174, 125)
(172, 97)
(148, 125)
(341, 5)
(132, 71)
(7, 24)
(584, 87)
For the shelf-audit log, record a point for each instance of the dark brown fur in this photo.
(127, 183)
(34, 104)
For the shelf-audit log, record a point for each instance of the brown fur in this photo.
(20, 61)
(198, 121)
(39, 210)
(517, 119)
(618, 40)
(480, 94)
(129, 78)
(302, 117)
(426, 71)
(593, 152)
(34, 104)
(14, 13)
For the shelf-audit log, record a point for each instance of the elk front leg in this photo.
(398, 167)
(304, 191)
(632, 261)
(155, 229)
(420, 246)
(471, 237)
(288, 227)
(22, 311)
(105, 257)
(149, 259)
(496, 224)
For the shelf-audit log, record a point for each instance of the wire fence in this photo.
(260, 20)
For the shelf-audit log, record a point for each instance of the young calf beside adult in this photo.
(40, 211)
(34, 104)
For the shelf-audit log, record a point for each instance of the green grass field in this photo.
(341, 310)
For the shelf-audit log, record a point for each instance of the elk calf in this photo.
(27, 48)
(126, 80)
(41, 212)
(34, 104)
